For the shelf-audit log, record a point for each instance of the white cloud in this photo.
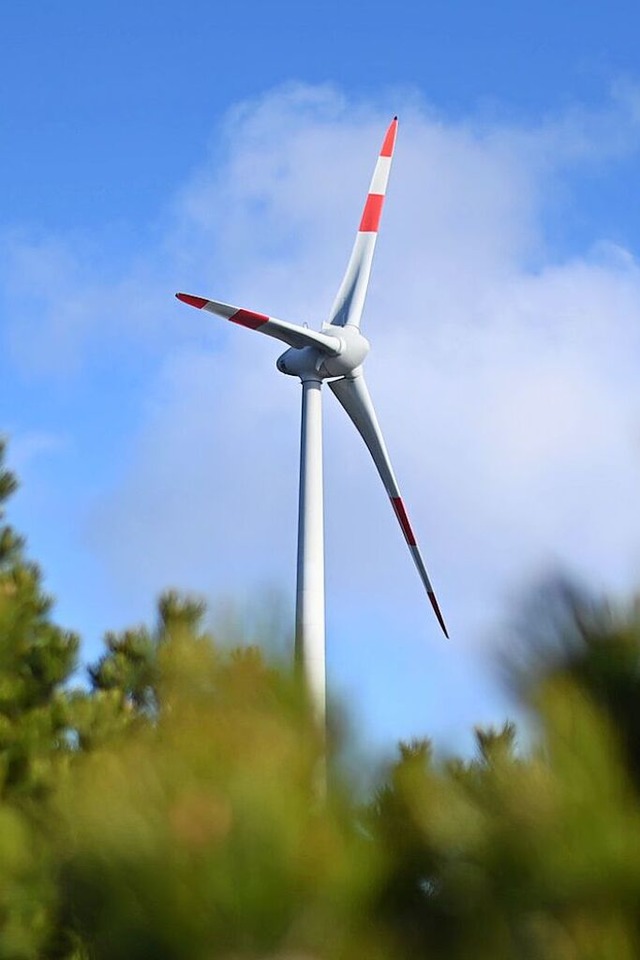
(507, 394)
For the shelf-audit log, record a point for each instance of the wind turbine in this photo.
(335, 354)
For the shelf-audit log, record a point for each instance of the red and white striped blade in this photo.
(290, 333)
(354, 397)
(349, 302)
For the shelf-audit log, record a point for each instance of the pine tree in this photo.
(37, 659)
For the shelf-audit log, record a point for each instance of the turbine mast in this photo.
(310, 629)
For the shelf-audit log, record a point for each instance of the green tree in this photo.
(527, 855)
(37, 658)
(200, 833)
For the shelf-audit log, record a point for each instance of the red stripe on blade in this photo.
(401, 514)
(198, 302)
(390, 139)
(247, 318)
(371, 213)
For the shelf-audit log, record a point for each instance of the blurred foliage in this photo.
(172, 807)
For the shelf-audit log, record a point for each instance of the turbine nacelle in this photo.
(314, 363)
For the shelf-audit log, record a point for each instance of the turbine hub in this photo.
(354, 349)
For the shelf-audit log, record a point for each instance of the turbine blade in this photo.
(354, 396)
(349, 302)
(290, 333)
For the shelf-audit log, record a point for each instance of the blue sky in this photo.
(226, 149)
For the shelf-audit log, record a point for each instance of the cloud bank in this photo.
(505, 379)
